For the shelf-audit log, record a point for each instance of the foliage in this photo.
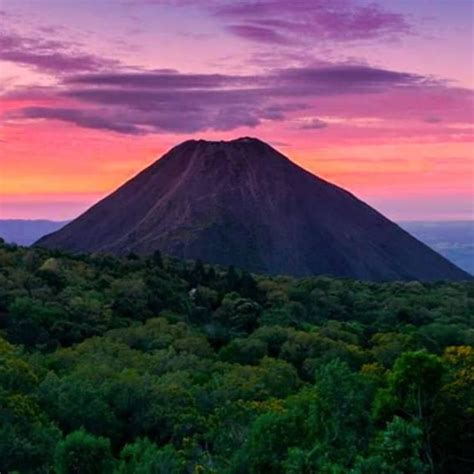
(154, 365)
(81, 452)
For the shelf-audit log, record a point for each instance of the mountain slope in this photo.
(243, 203)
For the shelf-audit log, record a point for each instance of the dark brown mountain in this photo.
(243, 203)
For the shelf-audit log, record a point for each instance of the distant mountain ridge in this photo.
(27, 231)
(453, 239)
(243, 203)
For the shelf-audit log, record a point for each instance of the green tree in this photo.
(244, 351)
(413, 393)
(267, 445)
(27, 437)
(338, 418)
(144, 457)
(395, 450)
(83, 453)
(240, 314)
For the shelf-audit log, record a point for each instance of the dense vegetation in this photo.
(152, 365)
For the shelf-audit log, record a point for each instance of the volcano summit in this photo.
(243, 203)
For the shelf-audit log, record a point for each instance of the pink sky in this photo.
(375, 97)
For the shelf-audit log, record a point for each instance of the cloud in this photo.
(232, 117)
(348, 74)
(278, 21)
(49, 56)
(258, 33)
(340, 79)
(286, 22)
(136, 121)
(313, 124)
(432, 120)
(312, 80)
(168, 101)
(78, 117)
(164, 79)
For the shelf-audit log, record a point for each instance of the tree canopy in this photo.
(155, 365)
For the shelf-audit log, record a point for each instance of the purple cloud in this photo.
(339, 79)
(191, 102)
(347, 74)
(128, 119)
(258, 33)
(313, 124)
(311, 80)
(80, 118)
(283, 21)
(232, 117)
(49, 56)
(432, 120)
(168, 101)
(167, 79)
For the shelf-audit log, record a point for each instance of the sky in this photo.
(376, 97)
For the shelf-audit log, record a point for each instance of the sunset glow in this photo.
(376, 98)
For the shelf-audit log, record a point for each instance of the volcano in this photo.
(243, 203)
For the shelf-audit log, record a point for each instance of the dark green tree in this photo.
(83, 453)
(145, 457)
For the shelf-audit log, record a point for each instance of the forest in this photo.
(151, 365)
